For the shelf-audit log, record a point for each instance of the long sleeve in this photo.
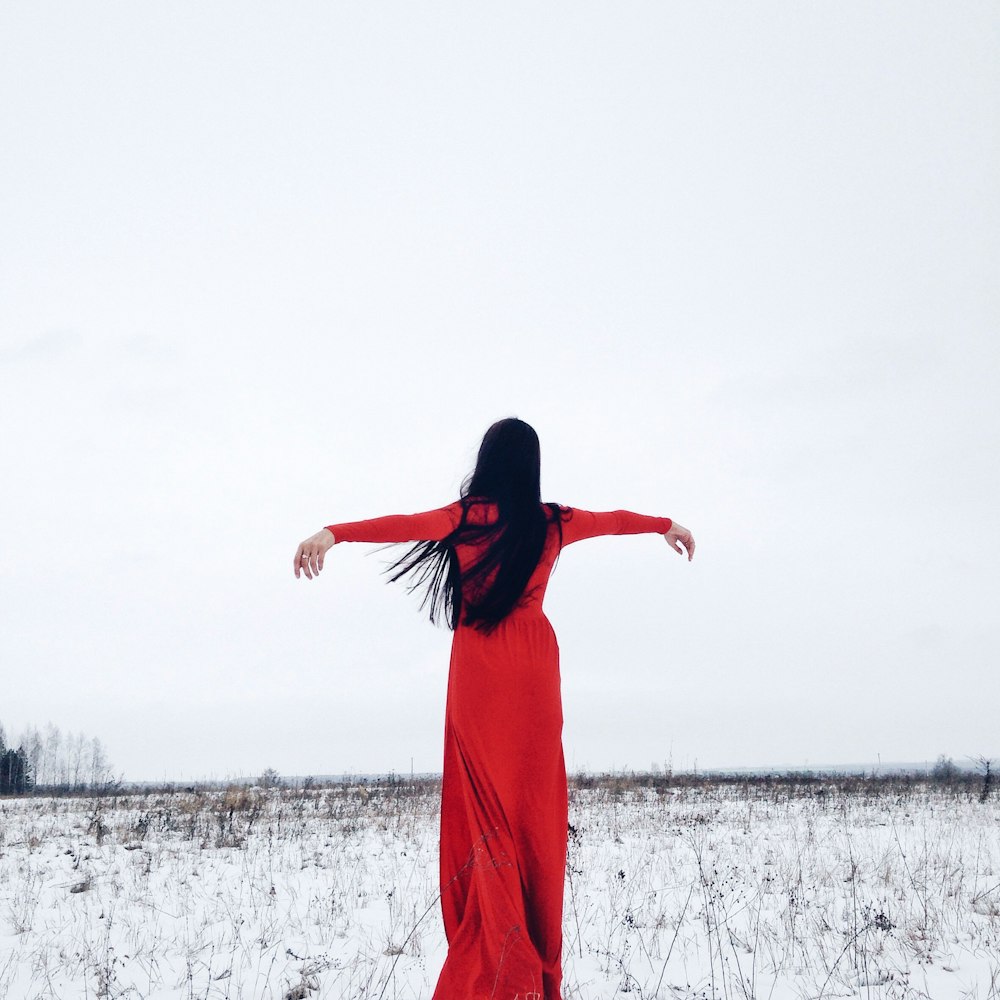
(429, 526)
(589, 524)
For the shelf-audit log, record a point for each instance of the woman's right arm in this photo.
(428, 526)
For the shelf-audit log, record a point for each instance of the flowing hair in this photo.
(507, 474)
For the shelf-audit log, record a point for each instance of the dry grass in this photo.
(677, 887)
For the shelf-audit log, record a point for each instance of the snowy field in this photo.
(747, 890)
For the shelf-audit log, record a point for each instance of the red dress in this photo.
(503, 797)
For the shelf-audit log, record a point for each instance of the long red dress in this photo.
(504, 796)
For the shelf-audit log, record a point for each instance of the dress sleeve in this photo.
(580, 524)
(429, 526)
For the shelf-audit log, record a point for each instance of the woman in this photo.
(485, 561)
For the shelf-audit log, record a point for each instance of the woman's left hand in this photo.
(309, 555)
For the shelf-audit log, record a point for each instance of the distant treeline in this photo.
(944, 777)
(54, 761)
(945, 773)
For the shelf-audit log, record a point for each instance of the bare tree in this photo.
(53, 745)
(77, 747)
(99, 770)
(985, 765)
(944, 769)
(34, 746)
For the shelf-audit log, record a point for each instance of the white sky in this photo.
(266, 266)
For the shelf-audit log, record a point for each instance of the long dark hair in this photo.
(507, 474)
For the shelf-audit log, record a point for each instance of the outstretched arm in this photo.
(430, 526)
(589, 524)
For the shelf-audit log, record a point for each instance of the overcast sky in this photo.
(269, 266)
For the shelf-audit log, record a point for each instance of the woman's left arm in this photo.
(583, 524)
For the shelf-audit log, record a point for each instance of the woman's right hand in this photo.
(677, 536)
(309, 555)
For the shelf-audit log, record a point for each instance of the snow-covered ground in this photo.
(716, 891)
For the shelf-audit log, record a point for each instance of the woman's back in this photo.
(482, 511)
(434, 526)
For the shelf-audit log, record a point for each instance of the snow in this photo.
(699, 890)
